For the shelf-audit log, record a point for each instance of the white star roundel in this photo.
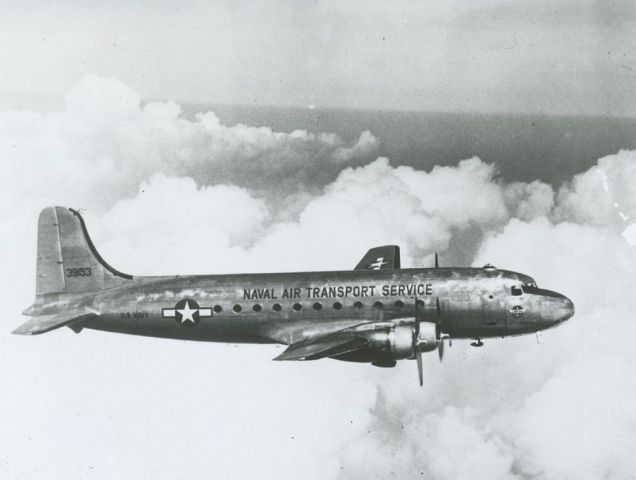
(186, 312)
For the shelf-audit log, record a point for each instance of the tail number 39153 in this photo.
(78, 272)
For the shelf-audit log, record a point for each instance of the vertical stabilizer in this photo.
(67, 261)
(386, 257)
(50, 269)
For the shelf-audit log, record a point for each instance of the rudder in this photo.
(50, 270)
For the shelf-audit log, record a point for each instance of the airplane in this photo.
(377, 313)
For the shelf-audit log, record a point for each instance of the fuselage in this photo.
(377, 313)
(289, 307)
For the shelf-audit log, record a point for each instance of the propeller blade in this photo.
(436, 261)
(438, 330)
(438, 322)
(416, 322)
(416, 336)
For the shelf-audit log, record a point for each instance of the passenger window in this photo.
(317, 306)
(420, 303)
(257, 308)
(298, 307)
(516, 291)
(378, 305)
(276, 307)
(337, 306)
(237, 308)
(218, 308)
(399, 303)
(358, 305)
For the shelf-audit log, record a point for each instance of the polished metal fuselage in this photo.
(289, 307)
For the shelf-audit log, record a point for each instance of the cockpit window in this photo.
(530, 288)
(515, 290)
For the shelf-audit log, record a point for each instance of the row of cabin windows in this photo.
(316, 306)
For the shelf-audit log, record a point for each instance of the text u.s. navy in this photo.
(377, 313)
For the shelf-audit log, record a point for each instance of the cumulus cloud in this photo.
(560, 409)
(379, 204)
(604, 195)
(167, 194)
(105, 143)
(172, 217)
(595, 267)
(367, 205)
(529, 200)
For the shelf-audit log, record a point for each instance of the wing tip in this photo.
(24, 329)
(287, 356)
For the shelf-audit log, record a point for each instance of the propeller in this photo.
(438, 323)
(439, 336)
(416, 347)
(438, 329)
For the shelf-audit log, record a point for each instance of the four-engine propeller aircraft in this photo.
(377, 313)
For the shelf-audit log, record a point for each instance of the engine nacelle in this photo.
(397, 341)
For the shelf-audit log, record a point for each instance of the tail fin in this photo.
(67, 260)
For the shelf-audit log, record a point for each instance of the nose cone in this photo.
(567, 308)
(554, 308)
(561, 308)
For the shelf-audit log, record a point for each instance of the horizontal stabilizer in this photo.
(330, 345)
(46, 323)
(381, 258)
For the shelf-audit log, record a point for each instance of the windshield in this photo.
(530, 287)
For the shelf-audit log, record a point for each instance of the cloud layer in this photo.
(166, 194)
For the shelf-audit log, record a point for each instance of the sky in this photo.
(547, 57)
(99, 405)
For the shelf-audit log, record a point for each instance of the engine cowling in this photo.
(398, 342)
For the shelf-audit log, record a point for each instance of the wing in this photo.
(325, 346)
(46, 323)
(348, 340)
(381, 258)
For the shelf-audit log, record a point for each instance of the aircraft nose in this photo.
(567, 308)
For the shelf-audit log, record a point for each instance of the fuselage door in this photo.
(493, 312)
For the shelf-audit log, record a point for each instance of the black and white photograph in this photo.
(318, 240)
